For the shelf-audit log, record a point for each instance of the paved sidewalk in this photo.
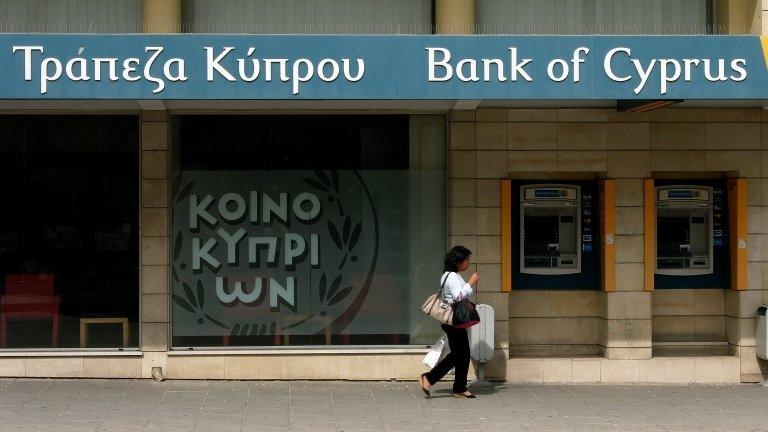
(222, 406)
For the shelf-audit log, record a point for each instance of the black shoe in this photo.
(423, 378)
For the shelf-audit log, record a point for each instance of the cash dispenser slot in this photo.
(550, 227)
(684, 230)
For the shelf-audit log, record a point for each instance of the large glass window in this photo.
(306, 230)
(69, 231)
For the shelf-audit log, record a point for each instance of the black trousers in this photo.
(458, 341)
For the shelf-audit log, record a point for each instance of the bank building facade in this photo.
(265, 190)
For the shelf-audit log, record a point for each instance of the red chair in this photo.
(29, 297)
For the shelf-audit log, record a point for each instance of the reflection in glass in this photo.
(69, 234)
(319, 242)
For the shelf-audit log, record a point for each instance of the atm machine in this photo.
(550, 227)
(684, 230)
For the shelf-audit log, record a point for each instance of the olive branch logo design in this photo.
(193, 302)
(345, 234)
(345, 240)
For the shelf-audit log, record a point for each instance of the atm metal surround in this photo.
(684, 230)
(550, 227)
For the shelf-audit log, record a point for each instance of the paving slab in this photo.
(248, 406)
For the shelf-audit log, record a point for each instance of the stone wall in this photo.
(545, 333)
(154, 258)
(553, 323)
(491, 144)
(693, 316)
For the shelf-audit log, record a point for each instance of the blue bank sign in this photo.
(381, 67)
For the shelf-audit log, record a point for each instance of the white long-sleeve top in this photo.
(455, 288)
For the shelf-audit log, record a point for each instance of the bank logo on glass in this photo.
(259, 253)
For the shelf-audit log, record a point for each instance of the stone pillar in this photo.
(739, 16)
(157, 16)
(749, 161)
(625, 325)
(477, 165)
(764, 17)
(161, 16)
(741, 306)
(462, 196)
(155, 219)
(488, 258)
(454, 16)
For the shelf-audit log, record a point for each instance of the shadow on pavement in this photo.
(478, 390)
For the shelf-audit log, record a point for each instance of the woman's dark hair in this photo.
(454, 257)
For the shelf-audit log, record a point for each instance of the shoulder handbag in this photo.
(437, 308)
(464, 314)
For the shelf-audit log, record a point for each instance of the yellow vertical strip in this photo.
(506, 235)
(737, 220)
(161, 16)
(650, 232)
(607, 234)
(454, 16)
(764, 44)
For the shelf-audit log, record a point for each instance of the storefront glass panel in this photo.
(306, 230)
(69, 231)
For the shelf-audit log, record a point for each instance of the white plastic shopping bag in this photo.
(437, 351)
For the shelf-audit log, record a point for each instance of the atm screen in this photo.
(540, 232)
(672, 232)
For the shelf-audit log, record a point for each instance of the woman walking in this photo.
(454, 289)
